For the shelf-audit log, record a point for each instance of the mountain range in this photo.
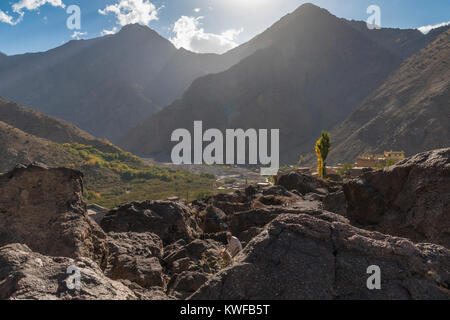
(308, 72)
(315, 71)
(107, 85)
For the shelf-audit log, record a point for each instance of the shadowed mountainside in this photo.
(107, 85)
(111, 175)
(409, 112)
(313, 72)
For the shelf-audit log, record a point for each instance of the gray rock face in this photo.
(212, 219)
(169, 220)
(25, 274)
(294, 247)
(304, 183)
(43, 208)
(410, 199)
(303, 257)
(335, 202)
(136, 257)
(188, 282)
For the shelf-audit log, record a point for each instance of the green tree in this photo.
(323, 146)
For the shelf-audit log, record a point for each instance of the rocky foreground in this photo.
(303, 238)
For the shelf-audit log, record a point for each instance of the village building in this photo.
(374, 160)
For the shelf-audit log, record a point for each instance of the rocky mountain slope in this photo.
(409, 112)
(401, 42)
(295, 246)
(46, 127)
(111, 175)
(304, 80)
(106, 85)
(18, 146)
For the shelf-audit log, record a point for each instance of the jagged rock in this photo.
(251, 190)
(335, 202)
(43, 208)
(277, 190)
(169, 220)
(334, 177)
(247, 235)
(303, 183)
(232, 207)
(25, 274)
(231, 203)
(136, 257)
(190, 265)
(182, 264)
(306, 257)
(410, 199)
(242, 221)
(196, 251)
(187, 282)
(212, 220)
(141, 293)
(145, 244)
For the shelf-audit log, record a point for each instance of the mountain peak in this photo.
(138, 31)
(309, 8)
(134, 27)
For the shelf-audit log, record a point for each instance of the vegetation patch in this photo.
(115, 177)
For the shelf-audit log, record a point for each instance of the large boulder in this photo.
(410, 199)
(25, 274)
(212, 220)
(187, 282)
(305, 183)
(169, 220)
(136, 257)
(335, 202)
(231, 203)
(43, 208)
(305, 257)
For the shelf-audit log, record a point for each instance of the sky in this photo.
(197, 25)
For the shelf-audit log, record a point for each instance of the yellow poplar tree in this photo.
(322, 148)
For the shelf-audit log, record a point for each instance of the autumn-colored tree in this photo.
(322, 148)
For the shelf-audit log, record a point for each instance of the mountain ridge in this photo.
(111, 175)
(408, 112)
(105, 85)
(287, 74)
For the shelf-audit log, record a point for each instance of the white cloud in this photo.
(132, 11)
(426, 29)
(22, 5)
(7, 18)
(197, 10)
(109, 32)
(35, 4)
(77, 35)
(190, 35)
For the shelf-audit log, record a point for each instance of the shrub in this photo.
(345, 170)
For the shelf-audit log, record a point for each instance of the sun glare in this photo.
(248, 3)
